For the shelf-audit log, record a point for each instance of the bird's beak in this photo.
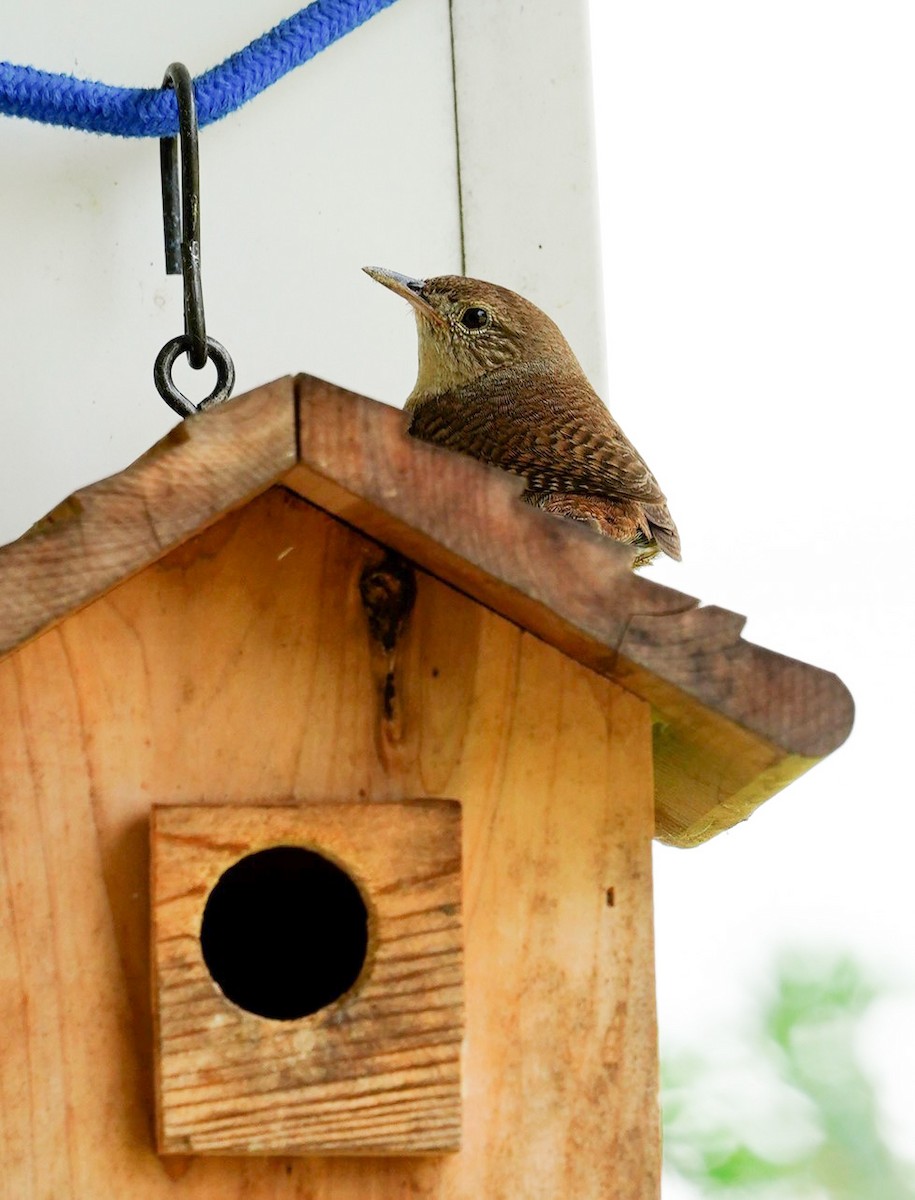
(403, 285)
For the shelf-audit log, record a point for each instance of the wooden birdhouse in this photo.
(328, 781)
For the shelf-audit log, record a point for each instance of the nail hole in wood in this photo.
(611, 898)
(284, 932)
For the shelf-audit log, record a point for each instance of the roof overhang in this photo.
(733, 722)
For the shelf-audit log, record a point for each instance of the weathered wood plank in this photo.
(748, 718)
(104, 533)
(377, 1072)
(735, 722)
(239, 669)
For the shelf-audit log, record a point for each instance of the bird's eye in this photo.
(474, 318)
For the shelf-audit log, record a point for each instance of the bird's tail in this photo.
(663, 529)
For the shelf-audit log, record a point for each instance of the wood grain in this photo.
(376, 1072)
(238, 668)
(737, 721)
(103, 534)
(734, 722)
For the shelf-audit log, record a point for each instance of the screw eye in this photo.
(474, 318)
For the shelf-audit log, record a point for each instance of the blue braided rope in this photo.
(152, 112)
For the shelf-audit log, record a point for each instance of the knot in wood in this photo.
(388, 592)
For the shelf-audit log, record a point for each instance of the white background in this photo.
(348, 160)
(758, 221)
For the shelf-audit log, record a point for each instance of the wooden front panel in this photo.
(374, 1066)
(238, 668)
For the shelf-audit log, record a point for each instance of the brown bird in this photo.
(497, 380)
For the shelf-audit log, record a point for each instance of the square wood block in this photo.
(374, 1071)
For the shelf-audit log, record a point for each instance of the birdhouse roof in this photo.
(733, 722)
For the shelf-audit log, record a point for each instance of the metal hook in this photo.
(181, 224)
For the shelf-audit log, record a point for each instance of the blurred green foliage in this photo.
(783, 1110)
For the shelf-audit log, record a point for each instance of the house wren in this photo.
(497, 380)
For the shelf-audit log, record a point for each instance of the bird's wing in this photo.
(552, 430)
